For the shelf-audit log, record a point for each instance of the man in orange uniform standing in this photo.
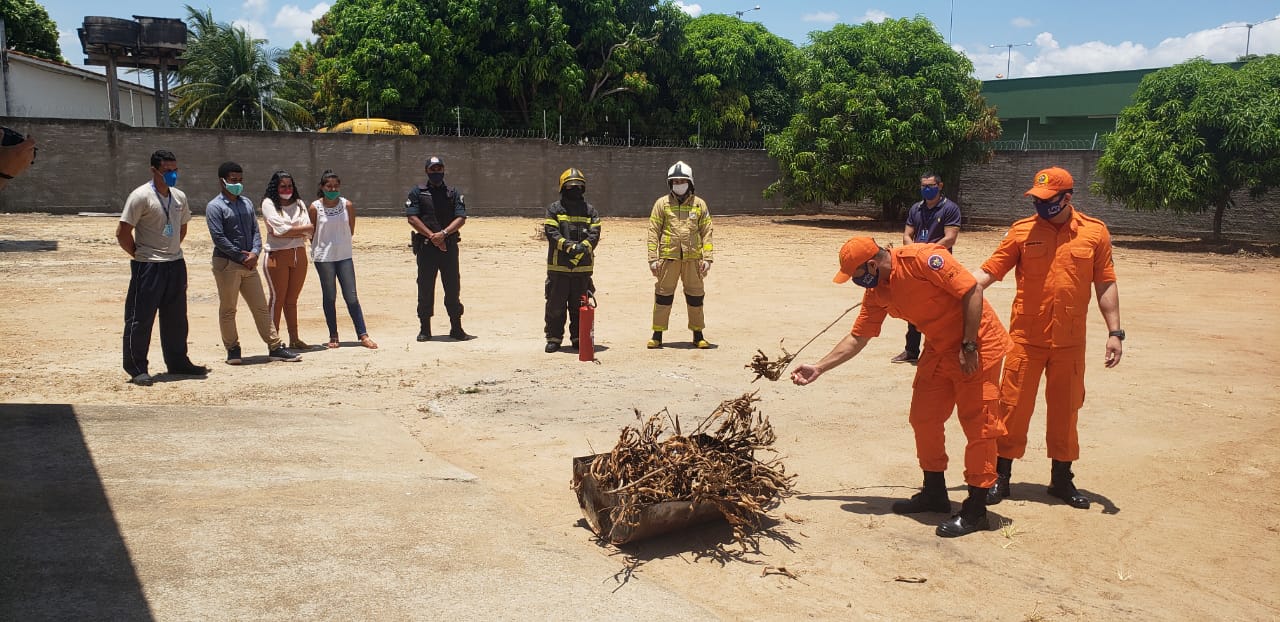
(1057, 253)
(959, 369)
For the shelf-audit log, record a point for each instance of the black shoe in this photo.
(456, 331)
(143, 380)
(190, 369)
(552, 346)
(1068, 493)
(1061, 485)
(998, 491)
(972, 516)
(923, 501)
(424, 335)
(281, 353)
(233, 356)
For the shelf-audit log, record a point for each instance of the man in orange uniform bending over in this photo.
(959, 369)
(1058, 253)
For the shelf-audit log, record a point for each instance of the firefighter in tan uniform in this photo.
(679, 250)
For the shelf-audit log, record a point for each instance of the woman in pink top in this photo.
(288, 228)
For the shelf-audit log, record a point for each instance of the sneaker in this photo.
(233, 356)
(143, 380)
(190, 369)
(282, 353)
(905, 357)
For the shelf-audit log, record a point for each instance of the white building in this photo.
(36, 87)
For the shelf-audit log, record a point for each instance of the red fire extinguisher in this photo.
(587, 328)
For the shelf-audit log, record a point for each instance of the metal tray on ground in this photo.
(655, 519)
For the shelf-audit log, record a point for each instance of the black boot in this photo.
(931, 498)
(1000, 489)
(425, 333)
(456, 331)
(1060, 486)
(972, 516)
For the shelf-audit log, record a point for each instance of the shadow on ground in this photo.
(1216, 247)
(27, 246)
(63, 557)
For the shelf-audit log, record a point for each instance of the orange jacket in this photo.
(925, 288)
(1055, 266)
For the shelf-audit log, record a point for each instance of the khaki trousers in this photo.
(671, 272)
(235, 281)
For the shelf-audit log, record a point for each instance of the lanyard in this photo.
(163, 204)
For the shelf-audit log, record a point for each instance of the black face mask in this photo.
(435, 178)
(574, 193)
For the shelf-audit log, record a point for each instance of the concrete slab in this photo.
(224, 513)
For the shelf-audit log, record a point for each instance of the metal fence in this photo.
(1097, 142)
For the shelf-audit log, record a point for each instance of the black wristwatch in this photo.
(1116, 333)
(968, 346)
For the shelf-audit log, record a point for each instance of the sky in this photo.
(1002, 38)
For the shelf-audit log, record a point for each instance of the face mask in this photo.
(286, 196)
(1048, 209)
(435, 178)
(171, 178)
(680, 188)
(234, 189)
(332, 195)
(574, 193)
(868, 279)
(929, 192)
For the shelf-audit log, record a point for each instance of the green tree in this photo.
(732, 81)
(28, 29)
(880, 102)
(230, 80)
(1196, 133)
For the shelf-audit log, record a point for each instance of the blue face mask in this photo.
(1048, 210)
(170, 178)
(929, 192)
(868, 279)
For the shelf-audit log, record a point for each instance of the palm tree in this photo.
(230, 80)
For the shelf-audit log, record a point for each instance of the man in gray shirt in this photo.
(151, 229)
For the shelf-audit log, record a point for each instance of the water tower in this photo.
(154, 43)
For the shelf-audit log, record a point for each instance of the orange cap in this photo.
(853, 254)
(1050, 182)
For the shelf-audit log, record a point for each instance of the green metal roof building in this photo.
(1061, 112)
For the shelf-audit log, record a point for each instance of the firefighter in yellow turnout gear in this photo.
(572, 229)
(679, 250)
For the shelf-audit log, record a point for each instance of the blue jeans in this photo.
(345, 273)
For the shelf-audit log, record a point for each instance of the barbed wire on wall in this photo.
(1094, 143)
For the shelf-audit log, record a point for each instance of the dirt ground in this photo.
(1179, 442)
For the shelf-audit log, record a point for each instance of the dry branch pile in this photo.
(715, 464)
(772, 370)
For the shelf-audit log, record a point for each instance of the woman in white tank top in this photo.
(335, 220)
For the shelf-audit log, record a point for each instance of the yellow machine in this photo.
(372, 126)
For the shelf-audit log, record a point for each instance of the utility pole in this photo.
(1008, 62)
(1248, 36)
(745, 11)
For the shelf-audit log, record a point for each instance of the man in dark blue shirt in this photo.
(435, 212)
(237, 244)
(934, 219)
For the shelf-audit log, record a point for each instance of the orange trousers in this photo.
(1063, 369)
(941, 387)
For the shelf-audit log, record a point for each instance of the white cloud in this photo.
(873, 15)
(693, 10)
(296, 21)
(828, 17)
(1049, 57)
(254, 7)
(1022, 22)
(252, 27)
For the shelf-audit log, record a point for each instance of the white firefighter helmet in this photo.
(680, 170)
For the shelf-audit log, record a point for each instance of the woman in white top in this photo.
(288, 228)
(334, 218)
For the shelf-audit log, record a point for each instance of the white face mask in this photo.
(286, 196)
(680, 187)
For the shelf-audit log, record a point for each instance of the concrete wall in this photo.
(40, 88)
(91, 166)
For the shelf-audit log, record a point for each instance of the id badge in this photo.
(168, 230)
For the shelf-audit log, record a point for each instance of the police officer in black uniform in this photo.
(436, 212)
(572, 228)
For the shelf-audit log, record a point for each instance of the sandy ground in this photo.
(1179, 442)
